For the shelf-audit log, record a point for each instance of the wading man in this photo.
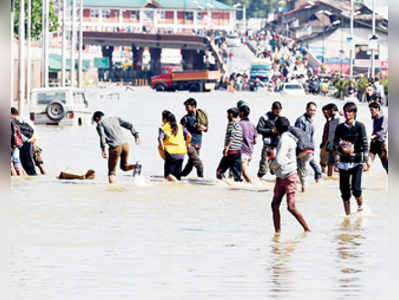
(285, 168)
(378, 144)
(110, 132)
(305, 122)
(351, 145)
(265, 128)
(196, 122)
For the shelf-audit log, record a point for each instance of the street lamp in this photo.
(244, 14)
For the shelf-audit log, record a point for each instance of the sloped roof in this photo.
(187, 4)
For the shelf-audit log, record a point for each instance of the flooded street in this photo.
(145, 240)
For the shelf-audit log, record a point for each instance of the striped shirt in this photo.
(234, 134)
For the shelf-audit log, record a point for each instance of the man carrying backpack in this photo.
(196, 122)
(26, 150)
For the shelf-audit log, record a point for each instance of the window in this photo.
(106, 13)
(94, 13)
(161, 15)
(134, 15)
(188, 15)
(46, 98)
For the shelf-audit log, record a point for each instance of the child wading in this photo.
(351, 145)
(285, 168)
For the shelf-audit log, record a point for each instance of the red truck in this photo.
(171, 79)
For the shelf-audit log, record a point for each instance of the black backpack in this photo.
(26, 130)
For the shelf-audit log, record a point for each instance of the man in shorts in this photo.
(110, 132)
(285, 167)
(249, 134)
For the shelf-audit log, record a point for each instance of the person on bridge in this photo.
(196, 122)
(110, 132)
(265, 127)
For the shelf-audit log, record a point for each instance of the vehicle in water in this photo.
(259, 75)
(59, 106)
(172, 79)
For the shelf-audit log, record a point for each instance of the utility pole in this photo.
(12, 52)
(372, 50)
(351, 44)
(29, 67)
(21, 90)
(80, 43)
(244, 13)
(64, 40)
(45, 40)
(73, 43)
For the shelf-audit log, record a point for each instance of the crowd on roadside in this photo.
(26, 155)
(288, 62)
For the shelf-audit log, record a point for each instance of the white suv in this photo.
(59, 106)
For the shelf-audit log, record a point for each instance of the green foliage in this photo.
(384, 82)
(36, 20)
(257, 8)
(361, 84)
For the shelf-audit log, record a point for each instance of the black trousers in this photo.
(172, 166)
(27, 159)
(350, 182)
(232, 162)
(380, 148)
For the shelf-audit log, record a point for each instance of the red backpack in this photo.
(16, 138)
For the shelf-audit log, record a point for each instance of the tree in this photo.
(36, 20)
(257, 8)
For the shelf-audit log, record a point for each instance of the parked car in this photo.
(59, 106)
(233, 40)
(293, 89)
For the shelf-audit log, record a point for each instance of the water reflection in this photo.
(281, 269)
(350, 256)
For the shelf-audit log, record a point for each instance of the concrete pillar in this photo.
(198, 57)
(175, 21)
(107, 52)
(137, 55)
(155, 60)
(188, 57)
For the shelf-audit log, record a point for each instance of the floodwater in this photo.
(143, 240)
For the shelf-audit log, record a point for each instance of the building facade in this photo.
(157, 16)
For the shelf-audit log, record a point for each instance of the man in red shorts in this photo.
(285, 168)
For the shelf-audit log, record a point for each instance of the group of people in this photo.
(286, 153)
(25, 153)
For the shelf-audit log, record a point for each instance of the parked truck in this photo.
(172, 79)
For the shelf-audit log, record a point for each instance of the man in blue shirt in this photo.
(193, 121)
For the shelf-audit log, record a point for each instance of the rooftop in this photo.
(185, 4)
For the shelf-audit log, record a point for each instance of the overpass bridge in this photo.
(193, 47)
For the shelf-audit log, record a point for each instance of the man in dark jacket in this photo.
(304, 154)
(351, 144)
(195, 128)
(305, 122)
(265, 127)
